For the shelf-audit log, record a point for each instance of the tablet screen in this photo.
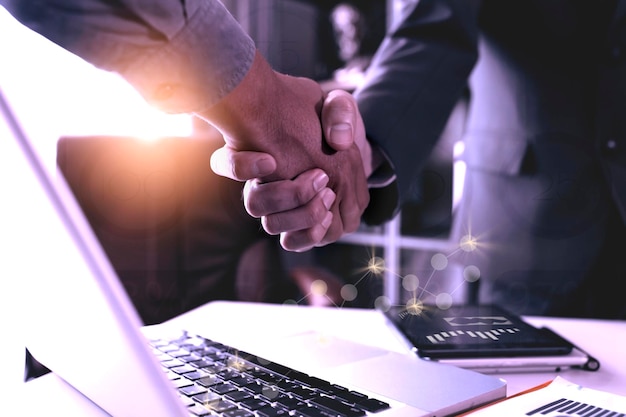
(473, 332)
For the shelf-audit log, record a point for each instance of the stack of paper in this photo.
(559, 397)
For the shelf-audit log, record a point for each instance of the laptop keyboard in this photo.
(216, 380)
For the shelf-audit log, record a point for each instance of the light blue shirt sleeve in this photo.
(183, 56)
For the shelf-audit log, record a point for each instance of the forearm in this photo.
(183, 57)
(191, 57)
(417, 76)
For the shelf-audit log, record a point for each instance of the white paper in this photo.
(561, 397)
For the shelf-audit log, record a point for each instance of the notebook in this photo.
(83, 326)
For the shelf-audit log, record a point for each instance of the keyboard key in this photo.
(271, 412)
(237, 362)
(254, 404)
(182, 382)
(223, 388)
(220, 406)
(372, 405)
(182, 369)
(241, 380)
(303, 393)
(337, 406)
(188, 358)
(289, 403)
(287, 385)
(214, 367)
(264, 375)
(359, 400)
(238, 413)
(187, 402)
(192, 390)
(171, 363)
(179, 353)
(195, 375)
(238, 396)
(255, 387)
(206, 397)
(200, 363)
(199, 410)
(208, 381)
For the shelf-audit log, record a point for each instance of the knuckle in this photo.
(271, 224)
(267, 226)
(253, 207)
(301, 196)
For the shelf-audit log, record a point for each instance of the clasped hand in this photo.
(308, 187)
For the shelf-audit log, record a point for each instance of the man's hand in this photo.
(279, 116)
(298, 209)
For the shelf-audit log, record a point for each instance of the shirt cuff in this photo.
(201, 64)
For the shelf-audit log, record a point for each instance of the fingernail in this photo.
(263, 167)
(328, 198)
(341, 133)
(328, 219)
(320, 181)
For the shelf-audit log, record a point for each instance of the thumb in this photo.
(339, 114)
(241, 165)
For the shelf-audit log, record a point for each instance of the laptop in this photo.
(82, 325)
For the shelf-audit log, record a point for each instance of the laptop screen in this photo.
(56, 263)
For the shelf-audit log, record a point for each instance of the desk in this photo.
(604, 339)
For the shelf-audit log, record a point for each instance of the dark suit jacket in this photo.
(545, 137)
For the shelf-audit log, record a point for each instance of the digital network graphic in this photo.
(418, 287)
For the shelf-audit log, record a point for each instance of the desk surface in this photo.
(604, 339)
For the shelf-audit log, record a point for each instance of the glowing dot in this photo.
(349, 292)
(410, 282)
(414, 306)
(444, 301)
(382, 303)
(471, 273)
(237, 363)
(439, 261)
(290, 302)
(319, 287)
(376, 265)
(468, 243)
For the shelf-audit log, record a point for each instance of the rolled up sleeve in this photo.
(182, 56)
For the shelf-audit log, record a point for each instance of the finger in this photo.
(351, 209)
(301, 218)
(335, 230)
(241, 165)
(262, 199)
(303, 240)
(339, 116)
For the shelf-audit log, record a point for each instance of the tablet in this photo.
(474, 331)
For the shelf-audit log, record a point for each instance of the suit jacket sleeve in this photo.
(416, 77)
(182, 56)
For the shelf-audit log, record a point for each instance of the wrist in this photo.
(238, 115)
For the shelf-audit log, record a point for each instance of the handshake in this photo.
(303, 156)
